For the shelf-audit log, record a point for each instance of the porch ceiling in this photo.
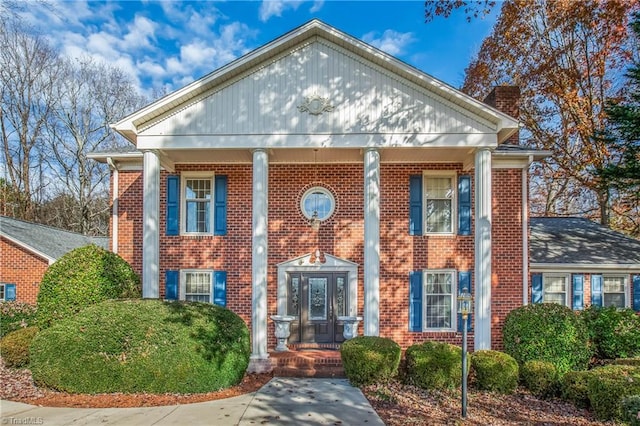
(322, 155)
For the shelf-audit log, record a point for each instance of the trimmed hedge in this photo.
(607, 388)
(143, 346)
(81, 278)
(634, 362)
(434, 365)
(370, 359)
(15, 315)
(630, 407)
(14, 347)
(540, 377)
(574, 388)
(495, 371)
(615, 333)
(547, 332)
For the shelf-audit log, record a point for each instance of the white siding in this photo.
(366, 100)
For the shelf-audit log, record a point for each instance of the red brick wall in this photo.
(507, 100)
(342, 235)
(22, 268)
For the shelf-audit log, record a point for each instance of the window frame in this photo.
(183, 201)
(625, 291)
(454, 294)
(183, 282)
(325, 191)
(434, 174)
(568, 293)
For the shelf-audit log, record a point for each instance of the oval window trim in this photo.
(323, 213)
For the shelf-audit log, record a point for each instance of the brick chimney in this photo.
(507, 100)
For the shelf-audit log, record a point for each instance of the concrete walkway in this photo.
(282, 401)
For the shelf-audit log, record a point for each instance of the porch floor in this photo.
(308, 360)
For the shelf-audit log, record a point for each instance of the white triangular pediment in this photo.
(317, 259)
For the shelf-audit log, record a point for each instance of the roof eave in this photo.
(27, 247)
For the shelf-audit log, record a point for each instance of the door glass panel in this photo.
(294, 296)
(317, 298)
(340, 297)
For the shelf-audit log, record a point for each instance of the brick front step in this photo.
(307, 362)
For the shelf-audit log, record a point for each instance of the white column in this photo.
(150, 226)
(482, 314)
(259, 352)
(371, 242)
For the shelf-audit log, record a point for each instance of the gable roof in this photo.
(581, 242)
(45, 241)
(132, 125)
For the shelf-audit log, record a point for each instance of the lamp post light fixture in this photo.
(465, 308)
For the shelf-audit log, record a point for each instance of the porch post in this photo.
(151, 226)
(259, 355)
(482, 335)
(371, 242)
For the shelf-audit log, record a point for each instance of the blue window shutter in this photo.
(415, 301)
(220, 206)
(415, 205)
(596, 290)
(635, 280)
(464, 284)
(578, 292)
(9, 292)
(464, 205)
(220, 288)
(171, 285)
(173, 205)
(536, 288)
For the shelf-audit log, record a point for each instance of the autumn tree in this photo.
(568, 59)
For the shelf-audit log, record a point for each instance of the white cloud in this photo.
(317, 5)
(270, 8)
(391, 41)
(141, 33)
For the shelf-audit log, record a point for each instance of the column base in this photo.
(259, 365)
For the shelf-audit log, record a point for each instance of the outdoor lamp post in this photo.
(465, 308)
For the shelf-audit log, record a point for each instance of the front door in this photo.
(316, 300)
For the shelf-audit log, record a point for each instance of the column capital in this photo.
(371, 149)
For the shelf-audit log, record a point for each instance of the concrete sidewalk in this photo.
(282, 401)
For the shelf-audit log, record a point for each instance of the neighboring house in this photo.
(578, 263)
(320, 177)
(26, 251)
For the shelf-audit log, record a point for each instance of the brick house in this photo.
(27, 249)
(319, 177)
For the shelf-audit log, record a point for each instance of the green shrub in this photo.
(631, 410)
(634, 362)
(547, 332)
(81, 278)
(15, 315)
(370, 359)
(540, 377)
(608, 386)
(14, 347)
(434, 365)
(615, 333)
(574, 387)
(142, 346)
(495, 371)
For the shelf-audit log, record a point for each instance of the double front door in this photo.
(316, 300)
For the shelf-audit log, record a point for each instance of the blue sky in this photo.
(169, 44)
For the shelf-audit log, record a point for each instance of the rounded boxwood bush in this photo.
(608, 386)
(615, 333)
(15, 315)
(540, 377)
(434, 365)
(14, 347)
(495, 371)
(143, 346)
(370, 359)
(574, 388)
(547, 332)
(630, 407)
(81, 278)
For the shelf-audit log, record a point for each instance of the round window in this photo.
(317, 202)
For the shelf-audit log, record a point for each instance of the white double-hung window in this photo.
(440, 203)
(197, 285)
(439, 300)
(556, 289)
(614, 290)
(197, 205)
